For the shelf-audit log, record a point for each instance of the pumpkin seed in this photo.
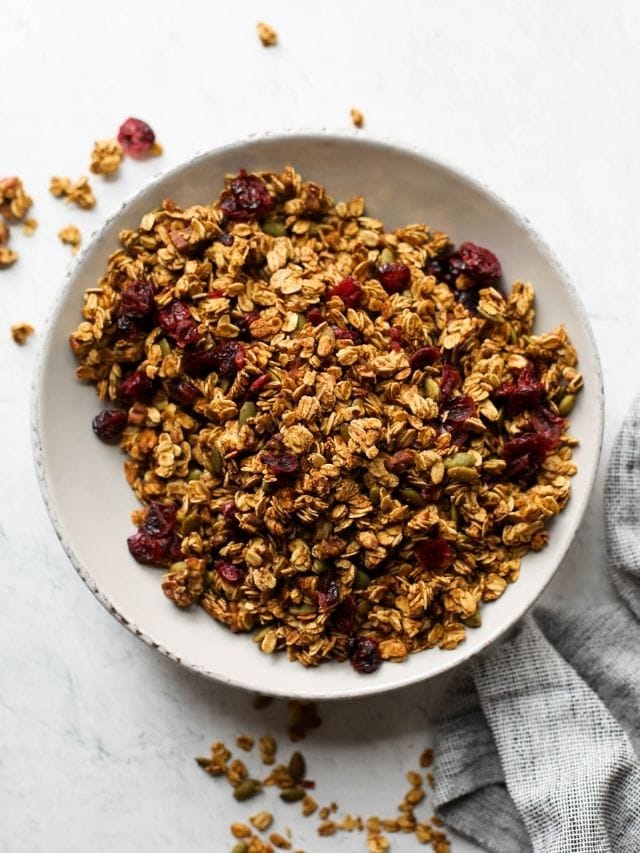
(387, 256)
(474, 621)
(239, 847)
(463, 474)
(319, 567)
(431, 389)
(248, 410)
(412, 497)
(165, 346)
(274, 228)
(190, 523)
(374, 495)
(297, 767)
(344, 432)
(301, 609)
(455, 515)
(213, 461)
(464, 459)
(194, 474)
(178, 567)
(361, 580)
(301, 322)
(566, 404)
(246, 789)
(292, 795)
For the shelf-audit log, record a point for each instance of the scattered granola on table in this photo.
(29, 227)
(14, 202)
(4, 232)
(70, 235)
(20, 332)
(267, 35)
(106, 157)
(7, 257)
(357, 118)
(79, 193)
(345, 438)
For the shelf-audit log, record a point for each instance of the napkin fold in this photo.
(538, 739)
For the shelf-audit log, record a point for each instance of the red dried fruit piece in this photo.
(281, 464)
(328, 592)
(449, 380)
(315, 316)
(229, 572)
(525, 393)
(229, 358)
(176, 321)
(109, 424)
(439, 269)
(245, 322)
(344, 334)
(456, 411)
(425, 357)
(394, 277)
(155, 541)
(363, 654)
(136, 137)
(147, 549)
(548, 426)
(160, 519)
(130, 327)
(136, 388)
(524, 455)
(199, 363)
(475, 261)
(343, 618)
(229, 510)
(469, 299)
(247, 198)
(435, 555)
(183, 393)
(396, 337)
(258, 384)
(137, 300)
(348, 290)
(308, 784)
(225, 238)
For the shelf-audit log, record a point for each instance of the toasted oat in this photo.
(79, 193)
(357, 117)
(7, 257)
(261, 820)
(267, 35)
(4, 232)
(268, 748)
(20, 332)
(245, 742)
(14, 201)
(70, 235)
(279, 841)
(29, 227)
(106, 157)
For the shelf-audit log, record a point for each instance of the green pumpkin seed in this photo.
(344, 432)
(178, 567)
(513, 335)
(225, 383)
(297, 767)
(374, 495)
(465, 460)
(387, 256)
(455, 515)
(462, 474)
(319, 567)
(301, 322)
(361, 580)
(239, 847)
(203, 762)
(248, 410)
(566, 404)
(302, 609)
(190, 523)
(274, 228)
(431, 389)
(292, 795)
(165, 346)
(213, 461)
(412, 497)
(474, 621)
(265, 275)
(194, 474)
(246, 789)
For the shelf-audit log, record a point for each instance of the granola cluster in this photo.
(14, 206)
(346, 438)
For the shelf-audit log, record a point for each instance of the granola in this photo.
(357, 118)
(79, 193)
(345, 438)
(267, 35)
(106, 157)
(14, 201)
(70, 235)
(20, 332)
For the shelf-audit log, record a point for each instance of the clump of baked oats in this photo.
(346, 438)
(106, 157)
(79, 193)
(267, 35)
(21, 332)
(71, 236)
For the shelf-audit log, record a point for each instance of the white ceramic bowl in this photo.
(82, 480)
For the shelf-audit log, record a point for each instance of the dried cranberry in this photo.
(525, 393)
(469, 299)
(344, 334)
(136, 137)
(328, 592)
(450, 379)
(137, 299)
(363, 654)
(183, 393)
(136, 388)
(130, 327)
(343, 618)
(229, 572)
(455, 412)
(281, 464)
(425, 357)
(109, 424)
(155, 541)
(147, 549)
(229, 510)
(439, 269)
(247, 198)
(435, 555)
(308, 784)
(229, 358)
(396, 337)
(475, 261)
(394, 277)
(315, 316)
(258, 384)
(199, 363)
(348, 290)
(177, 321)
(524, 455)
(160, 519)
(225, 238)
(548, 426)
(245, 322)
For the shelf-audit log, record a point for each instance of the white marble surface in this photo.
(98, 732)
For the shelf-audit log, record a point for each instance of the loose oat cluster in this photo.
(346, 438)
(14, 206)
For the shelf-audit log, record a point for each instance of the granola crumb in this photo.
(5, 233)
(280, 841)
(14, 201)
(156, 150)
(20, 332)
(240, 830)
(29, 227)
(7, 257)
(426, 759)
(79, 193)
(267, 35)
(268, 748)
(106, 157)
(245, 742)
(357, 117)
(262, 820)
(71, 236)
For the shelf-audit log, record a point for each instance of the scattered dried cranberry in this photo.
(475, 261)
(525, 393)
(229, 572)
(245, 322)
(524, 455)
(425, 357)
(394, 277)
(155, 541)
(435, 555)
(247, 198)
(315, 316)
(348, 290)
(328, 592)
(258, 384)
(177, 321)
(308, 784)
(281, 464)
(109, 424)
(136, 388)
(148, 549)
(183, 393)
(229, 358)
(343, 618)
(547, 425)
(346, 334)
(450, 379)
(136, 137)
(363, 654)
(199, 362)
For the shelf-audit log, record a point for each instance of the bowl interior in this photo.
(82, 479)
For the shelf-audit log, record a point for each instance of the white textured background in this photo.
(97, 732)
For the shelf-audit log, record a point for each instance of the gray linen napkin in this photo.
(538, 740)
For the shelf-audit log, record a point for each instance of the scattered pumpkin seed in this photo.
(213, 461)
(387, 256)
(374, 495)
(190, 523)
(194, 474)
(297, 767)
(474, 621)
(292, 795)
(463, 474)
(246, 789)
(344, 432)
(301, 609)
(566, 404)
(301, 322)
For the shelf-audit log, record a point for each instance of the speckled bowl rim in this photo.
(362, 687)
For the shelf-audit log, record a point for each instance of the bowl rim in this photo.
(362, 687)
